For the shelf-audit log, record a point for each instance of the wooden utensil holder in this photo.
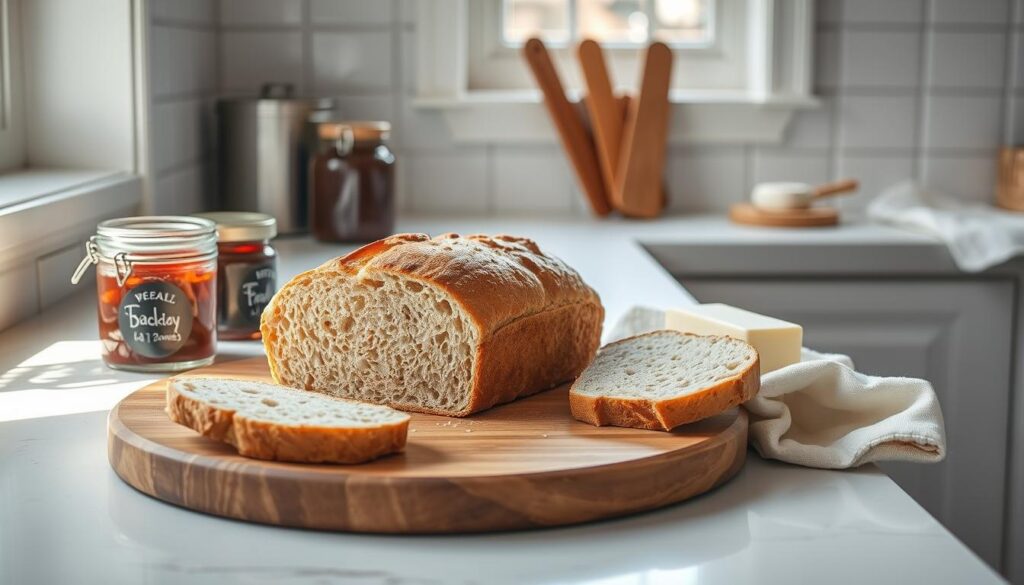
(1010, 184)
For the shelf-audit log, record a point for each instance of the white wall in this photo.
(911, 88)
(79, 105)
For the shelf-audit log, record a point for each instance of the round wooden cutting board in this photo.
(526, 464)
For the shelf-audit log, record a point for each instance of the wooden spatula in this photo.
(575, 139)
(637, 191)
(604, 109)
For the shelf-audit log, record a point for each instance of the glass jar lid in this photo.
(156, 234)
(151, 239)
(365, 131)
(242, 226)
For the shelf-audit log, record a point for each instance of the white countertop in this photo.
(65, 517)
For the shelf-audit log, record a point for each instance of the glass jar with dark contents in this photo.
(246, 273)
(352, 182)
(156, 281)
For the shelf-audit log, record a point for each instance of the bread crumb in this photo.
(545, 436)
(412, 430)
(468, 431)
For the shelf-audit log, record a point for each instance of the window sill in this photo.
(697, 117)
(44, 210)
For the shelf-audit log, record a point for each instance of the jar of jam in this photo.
(246, 271)
(352, 182)
(156, 281)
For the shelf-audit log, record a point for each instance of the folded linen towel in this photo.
(978, 236)
(822, 413)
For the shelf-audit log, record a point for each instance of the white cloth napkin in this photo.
(978, 236)
(822, 413)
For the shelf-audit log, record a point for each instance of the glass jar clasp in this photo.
(92, 256)
(122, 265)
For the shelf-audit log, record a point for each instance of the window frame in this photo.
(717, 66)
(778, 82)
(12, 130)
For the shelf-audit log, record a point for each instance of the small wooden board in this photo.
(526, 464)
(747, 214)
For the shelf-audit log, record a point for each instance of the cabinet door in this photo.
(956, 334)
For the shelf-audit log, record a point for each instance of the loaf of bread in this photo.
(450, 325)
(266, 421)
(664, 379)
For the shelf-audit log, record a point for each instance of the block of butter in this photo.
(777, 342)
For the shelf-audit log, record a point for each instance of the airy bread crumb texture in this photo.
(664, 365)
(664, 379)
(386, 339)
(267, 421)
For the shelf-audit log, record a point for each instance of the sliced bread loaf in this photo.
(449, 325)
(664, 379)
(267, 421)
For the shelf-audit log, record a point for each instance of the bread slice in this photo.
(448, 325)
(664, 379)
(267, 421)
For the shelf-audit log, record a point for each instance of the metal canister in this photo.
(264, 149)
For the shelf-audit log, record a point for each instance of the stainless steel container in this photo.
(264, 151)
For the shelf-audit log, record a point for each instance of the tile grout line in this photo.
(922, 105)
(1009, 113)
(307, 49)
(399, 94)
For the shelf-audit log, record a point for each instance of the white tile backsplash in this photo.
(812, 128)
(876, 121)
(967, 59)
(784, 164)
(453, 181)
(531, 179)
(177, 130)
(248, 59)
(180, 192)
(963, 122)
(351, 12)
(970, 12)
(971, 178)
(875, 174)
(243, 12)
(882, 11)
(826, 60)
(199, 12)
(182, 61)
(880, 59)
(351, 62)
(705, 179)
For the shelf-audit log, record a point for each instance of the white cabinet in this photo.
(956, 333)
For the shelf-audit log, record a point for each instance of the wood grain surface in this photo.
(747, 214)
(527, 464)
(641, 164)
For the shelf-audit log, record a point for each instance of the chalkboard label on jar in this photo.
(248, 289)
(155, 319)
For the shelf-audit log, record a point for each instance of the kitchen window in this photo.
(741, 67)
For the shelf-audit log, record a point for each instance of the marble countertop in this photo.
(65, 517)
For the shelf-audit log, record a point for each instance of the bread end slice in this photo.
(664, 379)
(271, 422)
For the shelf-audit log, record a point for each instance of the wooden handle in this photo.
(606, 115)
(836, 188)
(638, 190)
(575, 140)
